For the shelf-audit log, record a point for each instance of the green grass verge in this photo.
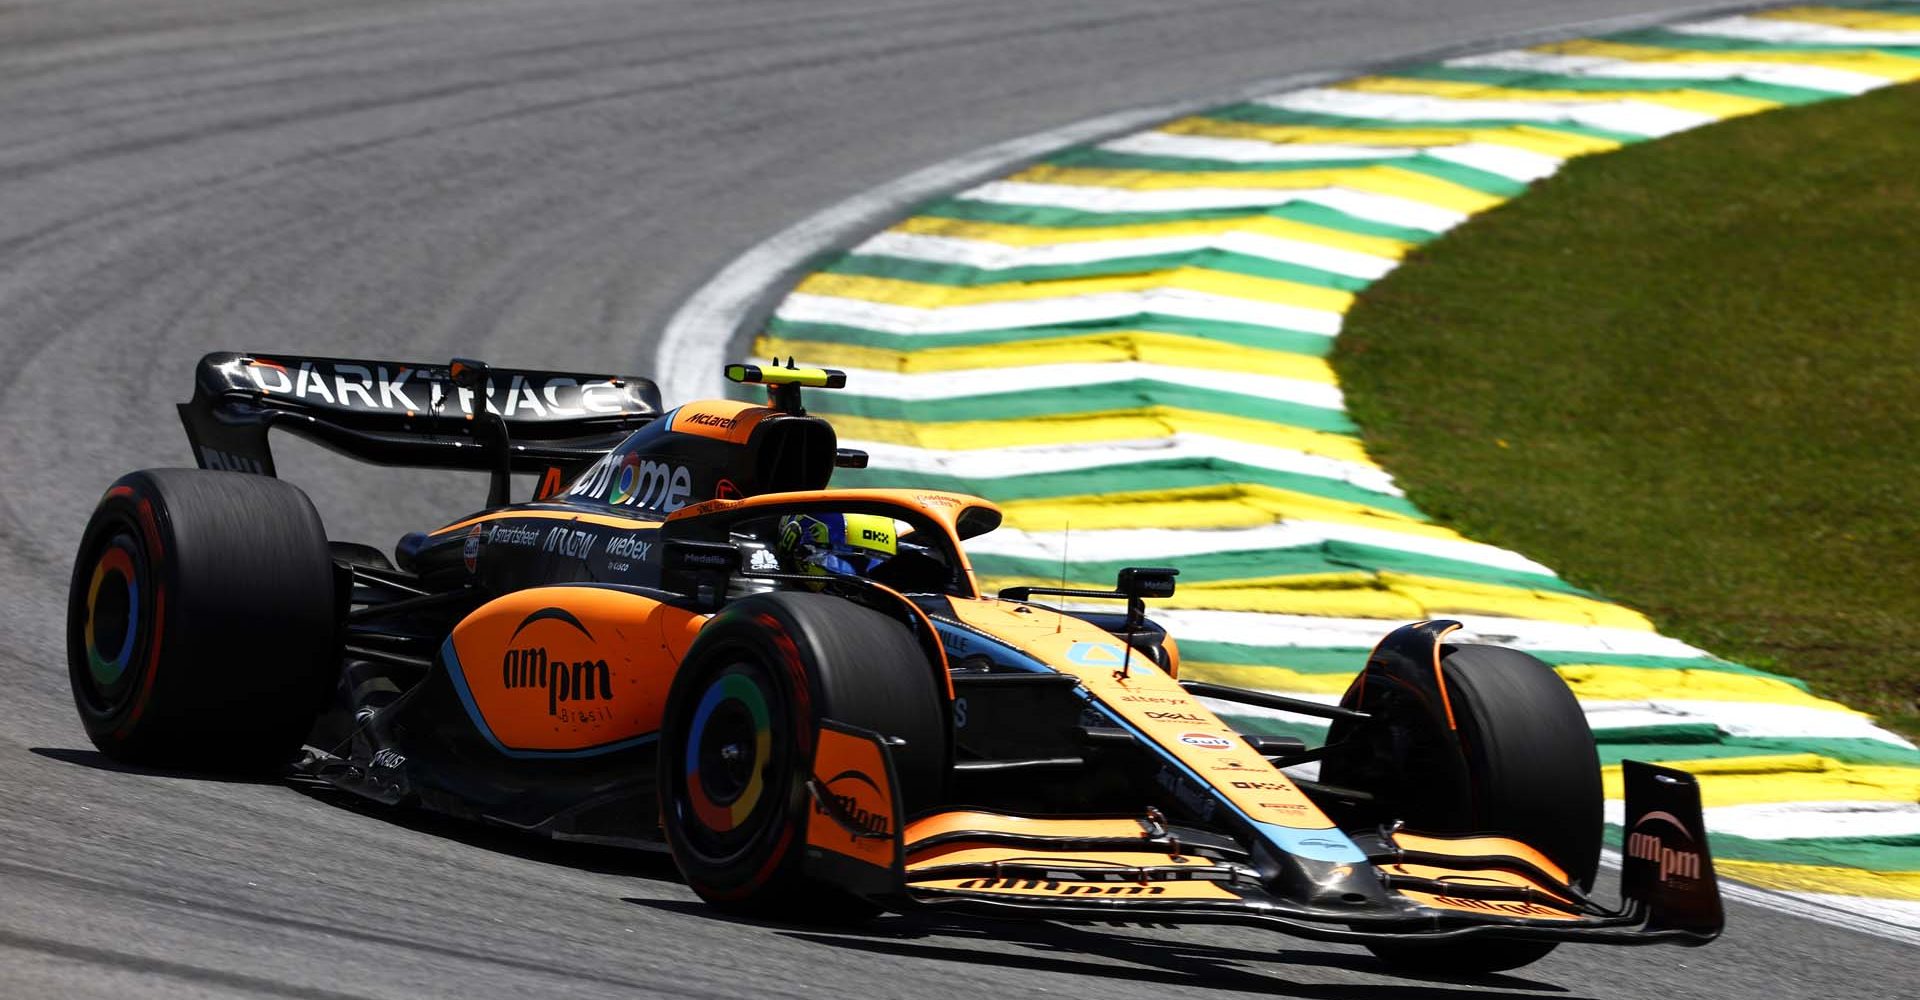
(1686, 375)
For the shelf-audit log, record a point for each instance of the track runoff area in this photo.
(1124, 345)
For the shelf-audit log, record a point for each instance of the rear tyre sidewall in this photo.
(228, 644)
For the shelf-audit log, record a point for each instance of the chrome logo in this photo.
(626, 480)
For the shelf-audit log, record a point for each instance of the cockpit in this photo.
(905, 540)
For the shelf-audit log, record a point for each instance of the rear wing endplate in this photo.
(407, 413)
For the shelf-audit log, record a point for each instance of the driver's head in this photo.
(826, 544)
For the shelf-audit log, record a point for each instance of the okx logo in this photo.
(565, 670)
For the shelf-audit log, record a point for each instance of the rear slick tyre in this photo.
(201, 625)
(737, 739)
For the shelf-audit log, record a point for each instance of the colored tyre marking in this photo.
(115, 569)
(155, 555)
(714, 813)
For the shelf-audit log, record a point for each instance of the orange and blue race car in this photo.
(689, 639)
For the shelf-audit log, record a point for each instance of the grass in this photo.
(1687, 376)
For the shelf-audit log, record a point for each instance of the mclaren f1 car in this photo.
(675, 642)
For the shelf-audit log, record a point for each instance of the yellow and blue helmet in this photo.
(828, 544)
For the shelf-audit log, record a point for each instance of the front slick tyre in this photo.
(1532, 774)
(200, 621)
(737, 739)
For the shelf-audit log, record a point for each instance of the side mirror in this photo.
(698, 569)
(1147, 581)
(1137, 583)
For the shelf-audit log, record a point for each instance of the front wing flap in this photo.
(1141, 870)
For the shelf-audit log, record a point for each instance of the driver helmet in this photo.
(830, 544)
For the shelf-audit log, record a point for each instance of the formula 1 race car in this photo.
(686, 638)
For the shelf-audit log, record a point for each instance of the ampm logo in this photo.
(1673, 864)
(540, 667)
(869, 822)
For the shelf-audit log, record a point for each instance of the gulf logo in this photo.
(1206, 741)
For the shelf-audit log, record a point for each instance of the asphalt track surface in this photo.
(540, 182)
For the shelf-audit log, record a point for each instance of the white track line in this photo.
(1174, 543)
(1764, 29)
(1634, 117)
(992, 463)
(990, 256)
(1255, 628)
(1204, 147)
(1838, 81)
(921, 386)
(1798, 820)
(886, 317)
(1382, 208)
(1507, 161)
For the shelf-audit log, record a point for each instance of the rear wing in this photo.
(406, 413)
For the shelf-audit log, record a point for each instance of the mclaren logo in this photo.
(1648, 843)
(713, 420)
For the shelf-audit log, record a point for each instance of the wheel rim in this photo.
(115, 622)
(734, 751)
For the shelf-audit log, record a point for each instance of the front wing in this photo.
(1143, 870)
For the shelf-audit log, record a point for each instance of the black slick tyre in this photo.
(1532, 774)
(201, 621)
(737, 739)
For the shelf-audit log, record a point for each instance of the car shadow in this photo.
(101, 762)
(601, 859)
(1081, 950)
(1092, 950)
(633, 862)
